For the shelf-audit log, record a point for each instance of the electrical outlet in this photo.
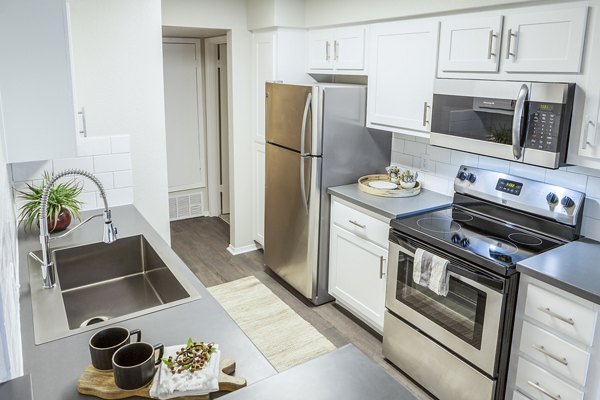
(425, 162)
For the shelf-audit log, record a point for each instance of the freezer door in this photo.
(288, 110)
(291, 217)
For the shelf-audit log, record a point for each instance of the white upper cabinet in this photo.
(401, 74)
(540, 40)
(470, 44)
(35, 81)
(548, 41)
(337, 50)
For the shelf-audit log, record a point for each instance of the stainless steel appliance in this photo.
(526, 122)
(457, 346)
(316, 138)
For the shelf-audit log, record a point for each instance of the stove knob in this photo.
(552, 198)
(465, 242)
(472, 178)
(567, 202)
(455, 238)
(462, 176)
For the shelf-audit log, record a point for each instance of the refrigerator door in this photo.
(291, 217)
(289, 121)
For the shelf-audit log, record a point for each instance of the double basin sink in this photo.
(100, 284)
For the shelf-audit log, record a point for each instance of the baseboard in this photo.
(243, 249)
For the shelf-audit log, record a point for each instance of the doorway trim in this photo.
(212, 122)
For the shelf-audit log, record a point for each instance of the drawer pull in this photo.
(551, 313)
(357, 224)
(381, 262)
(537, 386)
(542, 349)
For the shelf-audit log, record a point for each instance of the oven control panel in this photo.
(539, 198)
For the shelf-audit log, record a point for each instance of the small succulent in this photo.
(193, 357)
(408, 176)
(393, 171)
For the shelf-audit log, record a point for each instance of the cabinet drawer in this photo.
(554, 353)
(360, 224)
(573, 319)
(541, 385)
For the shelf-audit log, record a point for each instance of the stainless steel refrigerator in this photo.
(316, 138)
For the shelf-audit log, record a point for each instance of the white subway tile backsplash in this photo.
(117, 197)
(89, 201)
(440, 154)
(30, 170)
(107, 179)
(593, 187)
(459, 158)
(433, 182)
(528, 171)
(93, 146)
(591, 228)
(401, 159)
(592, 207)
(494, 164)
(120, 144)
(421, 139)
(398, 145)
(124, 179)
(584, 171)
(410, 138)
(84, 163)
(415, 148)
(566, 179)
(444, 170)
(112, 162)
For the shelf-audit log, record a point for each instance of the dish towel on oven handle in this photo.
(431, 272)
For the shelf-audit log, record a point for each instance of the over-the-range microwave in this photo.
(526, 122)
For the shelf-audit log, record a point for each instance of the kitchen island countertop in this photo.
(391, 207)
(572, 267)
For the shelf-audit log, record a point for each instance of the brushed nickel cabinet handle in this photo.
(509, 37)
(425, 108)
(327, 45)
(357, 224)
(551, 313)
(542, 349)
(336, 50)
(545, 392)
(381, 262)
(491, 37)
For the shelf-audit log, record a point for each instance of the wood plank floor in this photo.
(202, 245)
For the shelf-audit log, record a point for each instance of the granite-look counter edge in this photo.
(391, 207)
(571, 267)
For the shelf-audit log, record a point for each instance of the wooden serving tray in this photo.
(94, 382)
(363, 184)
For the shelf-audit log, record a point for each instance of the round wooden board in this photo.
(363, 184)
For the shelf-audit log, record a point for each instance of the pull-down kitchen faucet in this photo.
(109, 232)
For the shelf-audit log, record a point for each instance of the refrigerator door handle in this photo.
(305, 198)
(303, 130)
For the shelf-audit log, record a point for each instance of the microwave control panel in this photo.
(543, 130)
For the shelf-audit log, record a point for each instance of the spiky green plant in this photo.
(61, 195)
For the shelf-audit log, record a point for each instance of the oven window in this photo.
(473, 117)
(461, 312)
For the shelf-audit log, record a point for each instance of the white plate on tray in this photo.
(383, 185)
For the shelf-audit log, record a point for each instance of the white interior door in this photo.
(223, 127)
(186, 161)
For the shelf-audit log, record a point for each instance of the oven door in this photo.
(466, 321)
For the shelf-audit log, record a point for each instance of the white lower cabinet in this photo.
(357, 270)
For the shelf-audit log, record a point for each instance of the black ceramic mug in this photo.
(133, 364)
(104, 343)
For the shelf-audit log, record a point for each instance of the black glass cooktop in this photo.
(462, 232)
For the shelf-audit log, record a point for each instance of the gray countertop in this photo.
(56, 366)
(345, 373)
(17, 389)
(572, 267)
(391, 207)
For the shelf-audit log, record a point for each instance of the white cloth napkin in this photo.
(431, 271)
(167, 385)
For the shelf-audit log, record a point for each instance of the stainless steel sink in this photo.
(103, 282)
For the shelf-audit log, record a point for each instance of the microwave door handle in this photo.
(517, 125)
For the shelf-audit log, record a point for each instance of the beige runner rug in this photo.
(284, 337)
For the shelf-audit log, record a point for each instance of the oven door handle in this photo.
(408, 249)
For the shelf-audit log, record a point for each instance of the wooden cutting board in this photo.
(101, 384)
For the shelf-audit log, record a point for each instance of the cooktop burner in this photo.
(476, 235)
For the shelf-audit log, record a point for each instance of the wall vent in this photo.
(184, 206)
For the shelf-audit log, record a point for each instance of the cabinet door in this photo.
(349, 48)
(35, 80)
(548, 41)
(357, 274)
(470, 44)
(264, 70)
(401, 74)
(320, 49)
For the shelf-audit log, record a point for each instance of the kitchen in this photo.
(344, 42)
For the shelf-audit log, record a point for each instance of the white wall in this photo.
(332, 12)
(263, 14)
(407, 151)
(11, 359)
(230, 15)
(117, 47)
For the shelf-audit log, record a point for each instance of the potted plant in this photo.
(62, 204)
(393, 171)
(408, 179)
